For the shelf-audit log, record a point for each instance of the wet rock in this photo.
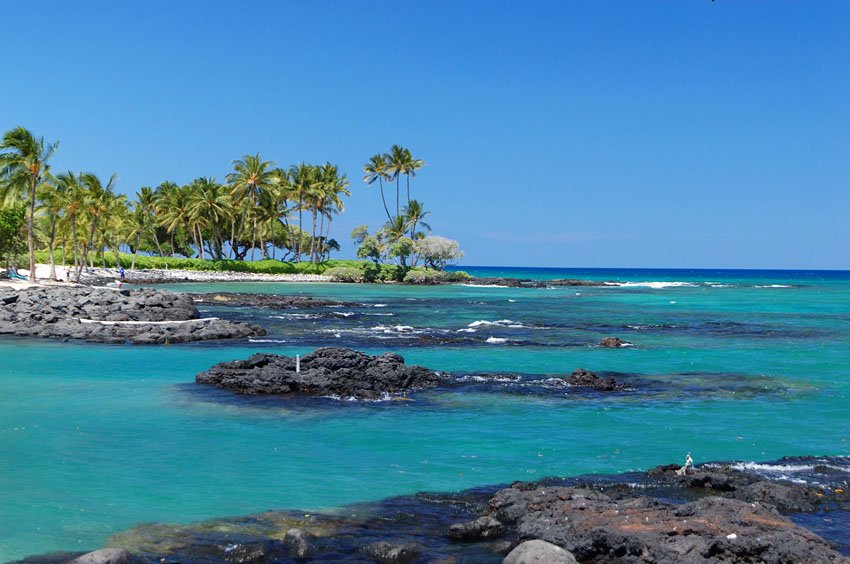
(300, 541)
(539, 552)
(613, 343)
(324, 372)
(588, 379)
(483, 528)
(104, 556)
(109, 316)
(387, 553)
(592, 525)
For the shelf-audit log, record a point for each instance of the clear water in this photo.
(97, 438)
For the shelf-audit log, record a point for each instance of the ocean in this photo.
(726, 365)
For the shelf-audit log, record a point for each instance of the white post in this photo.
(297, 363)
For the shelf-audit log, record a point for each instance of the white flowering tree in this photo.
(437, 252)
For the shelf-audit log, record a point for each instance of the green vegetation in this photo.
(80, 219)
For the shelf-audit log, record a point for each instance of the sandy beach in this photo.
(99, 275)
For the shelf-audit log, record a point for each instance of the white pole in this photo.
(297, 363)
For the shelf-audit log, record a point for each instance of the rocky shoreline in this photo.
(709, 513)
(106, 315)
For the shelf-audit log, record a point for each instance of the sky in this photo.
(675, 133)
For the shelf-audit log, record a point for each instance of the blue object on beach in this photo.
(14, 274)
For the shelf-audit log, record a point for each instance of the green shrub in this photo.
(427, 276)
(345, 274)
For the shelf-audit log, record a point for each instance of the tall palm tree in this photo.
(334, 187)
(396, 161)
(52, 199)
(97, 202)
(301, 177)
(251, 178)
(210, 206)
(23, 167)
(74, 200)
(376, 169)
(411, 165)
(146, 206)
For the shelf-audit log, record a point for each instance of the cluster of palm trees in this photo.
(255, 209)
(391, 167)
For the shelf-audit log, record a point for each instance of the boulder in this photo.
(104, 556)
(587, 379)
(539, 552)
(300, 543)
(613, 343)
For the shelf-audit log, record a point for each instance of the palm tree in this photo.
(210, 207)
(146, 206)
(22, 169)
(74, 200)
(301, 178)
(376, 169)
(396, 161)
(52, 199)
(97, 202)
(334, 187)
(411, 165)
(251, 178)
(415, 213)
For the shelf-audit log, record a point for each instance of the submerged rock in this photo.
(269, 301)
(324, 372)
(387, 553)
(106, 315)
(588, 379)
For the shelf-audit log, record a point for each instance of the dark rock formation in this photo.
(592, 525)
(729, 481)
(587, 379)
(324, 372)
(614, 343)
(483, 528)
(528, 283)
(269, 301)
(539, 552)
(111, 316)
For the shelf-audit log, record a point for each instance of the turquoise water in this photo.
(743, 365)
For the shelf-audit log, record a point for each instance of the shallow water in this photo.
(95, 438)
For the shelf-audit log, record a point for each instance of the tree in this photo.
(437, 252)
(23, 168)
(52, 199)
(97, 202)
(12, 220)
(376, 169)
(396, 164)
(250, 181)
(74, 200)
(415, 213)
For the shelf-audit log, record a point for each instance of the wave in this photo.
(499, 323)
(266, 341)
(773, 286)
(484, 285)
(655, 285)
(496, 340)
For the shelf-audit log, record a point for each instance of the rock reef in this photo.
(267, 301)
(105, 315)
(325, 372)
(529, 283)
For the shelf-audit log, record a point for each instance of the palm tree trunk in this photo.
(30, 228)
(300, 230)
(87, 249)
(75, 242)
(386, 209)
(201, 239)
(313, 238)
(407, 176)
(136, 251)
(397, 191)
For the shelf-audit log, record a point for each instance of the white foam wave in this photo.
(500, 323)
(655, 285)
(467, 330)
(343, 313)
(484, 286)
(773, 286)
(496, 340)
(266, 341)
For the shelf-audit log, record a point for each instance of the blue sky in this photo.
(678, 133)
